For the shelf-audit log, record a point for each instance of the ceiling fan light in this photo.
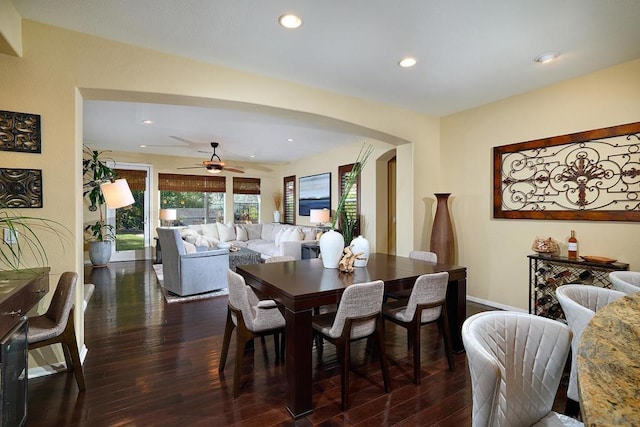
(214, 170)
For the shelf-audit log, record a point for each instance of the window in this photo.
(352, 202)
(198, 199)
(290, 200)
(246, 200)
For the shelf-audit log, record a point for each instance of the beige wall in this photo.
(495, 251)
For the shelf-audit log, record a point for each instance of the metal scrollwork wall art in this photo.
(21, 188)
(592, 175)
(20, 132)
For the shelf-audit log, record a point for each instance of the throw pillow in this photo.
(309, 233)
(226, 232)
(210, 230)
(278, 237)
(189, 248)
(253, 231)
(241, 233)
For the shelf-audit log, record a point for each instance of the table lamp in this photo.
(319, 216)
(117, 194)
(167, 216)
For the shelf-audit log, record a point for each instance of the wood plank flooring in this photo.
(155, 364)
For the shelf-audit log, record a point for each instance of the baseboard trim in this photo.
(495, 304)
(55, 368)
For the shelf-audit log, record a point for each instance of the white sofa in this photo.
(268, 239)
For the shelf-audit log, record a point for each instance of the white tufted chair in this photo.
(425, 256)
(516, 362)
(252, 318)
(580, 303)
(426, 304)
(358, 316)
(625, 281)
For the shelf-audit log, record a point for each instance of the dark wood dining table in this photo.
(300, 286)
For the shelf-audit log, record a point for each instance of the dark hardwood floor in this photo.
(155, 364)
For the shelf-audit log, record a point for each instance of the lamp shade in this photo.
(117, 194)
(168, 214)
(319, 215)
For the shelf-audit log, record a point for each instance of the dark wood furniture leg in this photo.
(298, 336)
(457, 311)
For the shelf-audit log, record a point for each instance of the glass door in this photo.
(131, 224)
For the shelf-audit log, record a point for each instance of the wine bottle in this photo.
(573, 246)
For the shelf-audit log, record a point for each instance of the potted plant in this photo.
(277, 201)
(96, 171)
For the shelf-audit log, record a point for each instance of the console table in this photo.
(20, 291)
(547, 272)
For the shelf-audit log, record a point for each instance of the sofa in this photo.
(269, 239)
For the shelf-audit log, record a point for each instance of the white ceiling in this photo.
(469, 53)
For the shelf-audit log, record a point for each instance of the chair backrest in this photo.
(172, 248)
(625, 281)
(424, 256)
(281, 258)
(516, 362)
(429, 288)
(580, 303)
(358, 300)
(241, 297)
(62, 300)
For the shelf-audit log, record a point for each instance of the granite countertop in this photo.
(609, 365)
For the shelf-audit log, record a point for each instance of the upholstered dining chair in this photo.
(56, 326)
(580, 303)
(251, 318)
(516, 362)
(426, 304)
(625, 281)
(425, 256)
(358, 316)
(280, 258)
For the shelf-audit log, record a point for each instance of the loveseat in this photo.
(270, 239)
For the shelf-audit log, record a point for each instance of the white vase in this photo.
(276, 216)
(331, 248)
(360, 244)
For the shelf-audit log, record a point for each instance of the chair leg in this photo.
(228, 330)
(242, 339)
(69, 341)
(415, 332)
(447, 338)
(345, 355)
(383, 357)
(276, 342)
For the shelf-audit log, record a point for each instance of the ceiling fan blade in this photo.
(191, 167)
(186, 141)
(233, 169)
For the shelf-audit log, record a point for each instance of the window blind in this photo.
(137, 179)
(195, 183)
(246, 185)
(289, 201)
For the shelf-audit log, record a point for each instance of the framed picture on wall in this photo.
(314, 193)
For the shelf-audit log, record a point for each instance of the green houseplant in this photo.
(96, 171)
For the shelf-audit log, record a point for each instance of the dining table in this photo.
(301, 286)
(608, 363)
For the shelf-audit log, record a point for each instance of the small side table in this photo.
(310, 250)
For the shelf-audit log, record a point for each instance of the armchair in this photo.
(191, 273)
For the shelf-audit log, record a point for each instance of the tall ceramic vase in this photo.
(331, 248)
(442, 242)
(361, 246)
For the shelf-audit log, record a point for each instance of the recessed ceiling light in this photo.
(407, 62)
(544, 58)
(290, 21)
(252, 156)
(142, 146)
(147, 122)
(289, 139)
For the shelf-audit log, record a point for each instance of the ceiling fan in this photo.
(215, 164)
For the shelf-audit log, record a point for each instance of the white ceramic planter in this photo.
(100, 253)
(360, 244)
(331, 248)
(276, 216)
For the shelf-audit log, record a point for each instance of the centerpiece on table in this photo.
(332, 242)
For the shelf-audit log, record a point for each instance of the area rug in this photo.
(171, 297)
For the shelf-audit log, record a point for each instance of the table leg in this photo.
(457, 311)
(298, 362)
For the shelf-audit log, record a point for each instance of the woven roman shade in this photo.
(137, 179)
(246, 185)
(193, 183)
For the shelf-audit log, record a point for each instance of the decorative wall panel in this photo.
(20, 132)
(592, 175)
(21, 188)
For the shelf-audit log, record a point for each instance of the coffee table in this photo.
(301, 286)
(243, 256)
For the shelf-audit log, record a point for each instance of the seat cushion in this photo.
(42, 328)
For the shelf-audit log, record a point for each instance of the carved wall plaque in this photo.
(20, 132)
(21, 188)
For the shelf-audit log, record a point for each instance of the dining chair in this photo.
(280, 258)
(358, 316)
(56, 326)
(516, 362)
(425, 256)
(625, 281)
(251, 318)
(426, 304)
(580, 303)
